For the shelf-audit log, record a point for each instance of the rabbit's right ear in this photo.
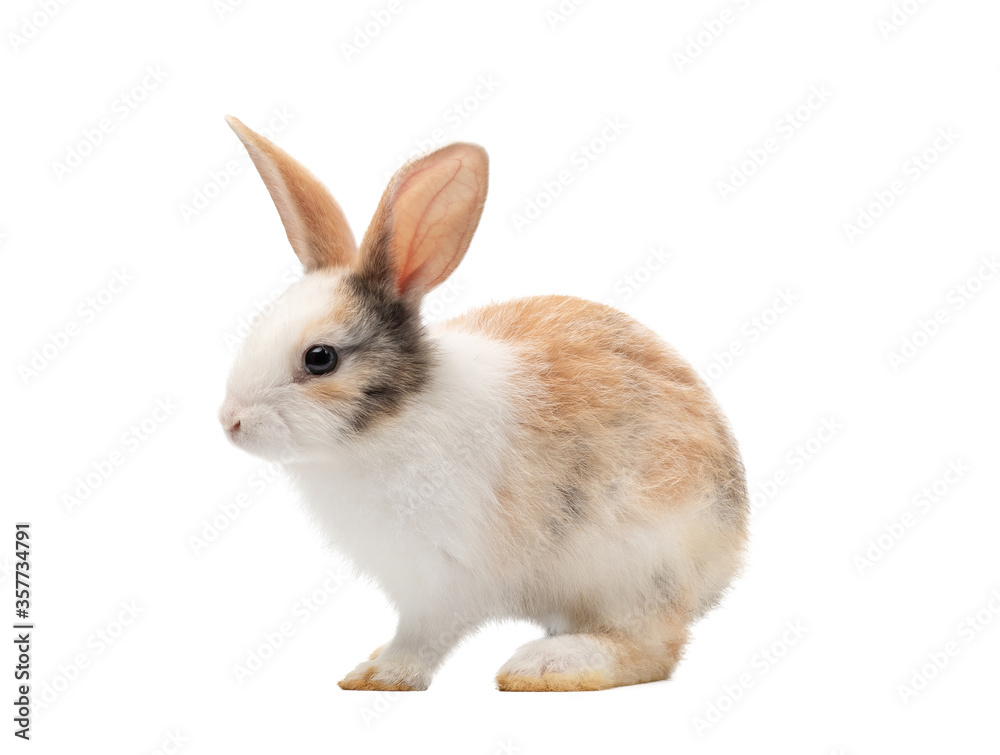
(426, 219)
(314, 223)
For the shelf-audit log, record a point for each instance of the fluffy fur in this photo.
(547, 459)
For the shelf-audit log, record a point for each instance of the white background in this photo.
(891, 83)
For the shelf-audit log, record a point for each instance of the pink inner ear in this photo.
(436, 211)
(405, 280)
(417, 194)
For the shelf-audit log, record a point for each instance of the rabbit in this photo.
(546, 459)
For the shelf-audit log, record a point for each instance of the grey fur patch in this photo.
(572, 502)
(708, 602)
(571, 499)
(389, 336)
(665, 587)
(732, 502)
(731, 495)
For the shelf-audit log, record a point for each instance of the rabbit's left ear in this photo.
(314, 223)
(426, 219)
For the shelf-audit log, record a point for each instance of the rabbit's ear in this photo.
(426, 219)
(314, 222)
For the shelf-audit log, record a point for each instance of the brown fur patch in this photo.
(605, 394)
(614, 434)
(366, 682)
(587, 682)
(647, 656)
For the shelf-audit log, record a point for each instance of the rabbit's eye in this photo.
(320, 360)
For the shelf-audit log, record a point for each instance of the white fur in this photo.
(453, 476)
(276, 425)
(565, 654)
(413, 502)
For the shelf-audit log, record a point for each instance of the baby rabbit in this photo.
(547, 459)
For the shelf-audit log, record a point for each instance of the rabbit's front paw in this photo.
(385, 675)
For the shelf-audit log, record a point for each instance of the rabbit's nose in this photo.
(231, 418)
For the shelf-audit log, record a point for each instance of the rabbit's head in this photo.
(344, 350)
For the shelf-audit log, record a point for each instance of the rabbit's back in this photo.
(623, 463)
(593, 384)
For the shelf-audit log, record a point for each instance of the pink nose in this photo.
(231, 418)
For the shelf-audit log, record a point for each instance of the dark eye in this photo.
(320, 360)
